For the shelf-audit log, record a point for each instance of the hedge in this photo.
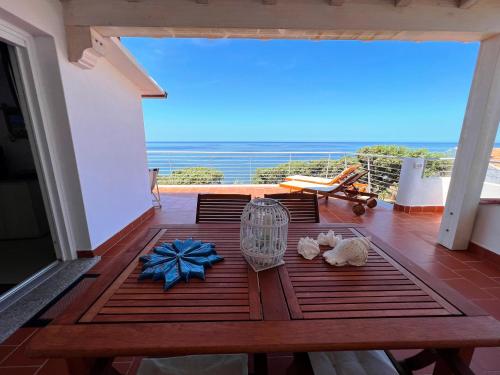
(192, 176)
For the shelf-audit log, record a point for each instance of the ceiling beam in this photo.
(464, 4)
(402, 3)
(298, 19)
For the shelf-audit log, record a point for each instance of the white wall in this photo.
(486, 231)
(99, 156)
(415, 190)
(490, 190)
(107, 125)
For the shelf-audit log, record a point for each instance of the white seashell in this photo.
(352, 251)
(329, 239)
(308, 247)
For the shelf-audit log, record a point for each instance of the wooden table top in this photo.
(301, 306)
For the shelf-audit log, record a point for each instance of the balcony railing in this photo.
(207, 168)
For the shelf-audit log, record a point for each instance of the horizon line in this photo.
(213, 141)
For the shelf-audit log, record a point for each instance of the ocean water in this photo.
(239, 168)
(289, 146)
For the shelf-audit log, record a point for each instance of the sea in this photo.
(291, 146)
(239, 168)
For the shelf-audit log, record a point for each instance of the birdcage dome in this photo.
(264, 233)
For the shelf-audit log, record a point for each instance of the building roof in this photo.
(128, 65)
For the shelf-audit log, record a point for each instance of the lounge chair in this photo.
(325, 181)
(303, 208)
(346, 190)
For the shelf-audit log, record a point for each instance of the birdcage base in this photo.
(258, 267)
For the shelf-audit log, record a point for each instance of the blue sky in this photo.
(283, 90)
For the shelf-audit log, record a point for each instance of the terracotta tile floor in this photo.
(413, 234)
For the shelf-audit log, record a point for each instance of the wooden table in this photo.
(302, 306)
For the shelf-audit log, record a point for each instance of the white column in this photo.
(476, 142)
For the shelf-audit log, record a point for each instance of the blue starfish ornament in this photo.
(178, 260)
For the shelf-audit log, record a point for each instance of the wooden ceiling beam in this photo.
(464, 4)
(287, 19)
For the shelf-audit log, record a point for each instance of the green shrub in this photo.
(192, 176)
(386, 170)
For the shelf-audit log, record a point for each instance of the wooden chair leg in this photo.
(448, 361)
(454, 362)
(260, 363)
(91, 366)
(301, 365)
(418, 361)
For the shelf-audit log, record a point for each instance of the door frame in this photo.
(32, 107)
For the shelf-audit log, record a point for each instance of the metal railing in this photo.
(438, 167)
(208, 168)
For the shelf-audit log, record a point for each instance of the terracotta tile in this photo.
(451, 262)
(491, 306)
(19, 358)
(122, 367)
(54, 366)
(495, 291)
(486, 268)
(468, 289)
(492, 259)
(478, 278)
(439, 270)
(18, 337)
(5, 351)
(465, 255)
(18, 370)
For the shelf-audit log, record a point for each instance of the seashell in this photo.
(351, 251)
(329, 239)
(308, 247)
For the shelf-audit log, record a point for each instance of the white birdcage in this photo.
(263, 233)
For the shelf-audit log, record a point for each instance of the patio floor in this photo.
(413, 234)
